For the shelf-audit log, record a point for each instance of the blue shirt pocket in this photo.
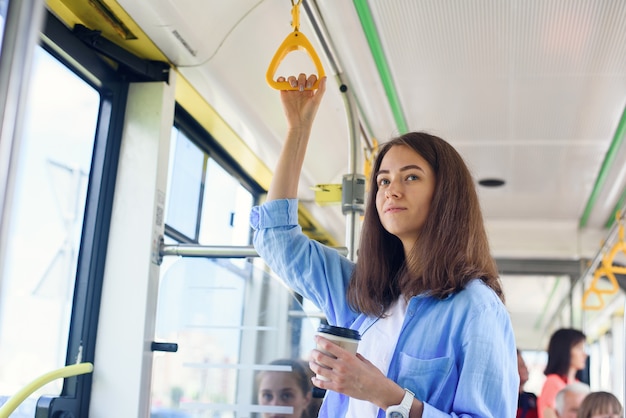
(432, 380)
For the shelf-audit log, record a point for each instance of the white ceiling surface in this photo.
(530, 91)
(527, 91)
(531, 308)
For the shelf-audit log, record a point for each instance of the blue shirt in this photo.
(456, 355)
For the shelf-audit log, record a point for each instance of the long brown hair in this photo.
(560, 350)
(452, 248)
(599, 403)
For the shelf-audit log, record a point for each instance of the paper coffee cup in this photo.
(346, 338)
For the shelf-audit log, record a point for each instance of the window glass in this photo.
(45, 227)
(187, 163)
(229, 322)
(206, 204)
(228, 317)
(225, 209)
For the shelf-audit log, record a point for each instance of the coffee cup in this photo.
(346, 338)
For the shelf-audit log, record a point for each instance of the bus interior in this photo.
(136, 135)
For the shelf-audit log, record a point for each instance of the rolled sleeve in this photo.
(282, 212)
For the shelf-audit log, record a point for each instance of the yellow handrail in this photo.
(294, 41)
(607, 269)
(19, 397)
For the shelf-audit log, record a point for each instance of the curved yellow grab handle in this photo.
(295, 40)
(67, 371)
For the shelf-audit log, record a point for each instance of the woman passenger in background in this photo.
(566, 356)
(286, 388)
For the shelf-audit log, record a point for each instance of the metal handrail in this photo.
(217, 251)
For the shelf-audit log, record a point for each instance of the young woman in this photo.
(285, 388)
(424, 293)
(600, 405)
(566, 356)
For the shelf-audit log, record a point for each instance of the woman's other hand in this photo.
(350, 374)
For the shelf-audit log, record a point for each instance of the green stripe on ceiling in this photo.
(609, 159)
(621, 203)
(367, 22)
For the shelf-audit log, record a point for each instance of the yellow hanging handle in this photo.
(294, 41)
(606, 269)
(68, 371)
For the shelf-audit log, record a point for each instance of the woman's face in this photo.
(282, 389)
(406, 183)
(578, 356)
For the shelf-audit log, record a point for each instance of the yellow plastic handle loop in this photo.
(294, 41)
(68, 371)
(606, 269)
(587, 305)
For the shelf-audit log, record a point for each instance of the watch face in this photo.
(396, 415)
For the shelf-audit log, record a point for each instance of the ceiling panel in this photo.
(528, 91)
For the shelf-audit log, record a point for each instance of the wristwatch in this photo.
(402, 410)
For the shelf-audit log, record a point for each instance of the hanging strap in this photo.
(606, 269)
(294, 41)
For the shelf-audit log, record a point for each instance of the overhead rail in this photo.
(68, 371)
(294, 41)
(353, 183)
(313, 13)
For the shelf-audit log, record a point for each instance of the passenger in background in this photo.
(424, 293)
(283, 388)
(568, 400)
(527, 401)
(600, 405)
(566, 356)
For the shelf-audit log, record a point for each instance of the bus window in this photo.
(46, 217)
(206, 204)
(228, 204)
(228, 317)
(187, 162)
(228, 323)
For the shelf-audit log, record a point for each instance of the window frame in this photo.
(185, 123)
(63, 45)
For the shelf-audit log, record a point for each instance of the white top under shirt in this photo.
(377, 345)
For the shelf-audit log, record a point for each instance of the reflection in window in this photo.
(229, 323)
(45, 226)
(200, 307)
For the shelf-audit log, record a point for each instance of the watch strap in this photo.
(402, 410)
